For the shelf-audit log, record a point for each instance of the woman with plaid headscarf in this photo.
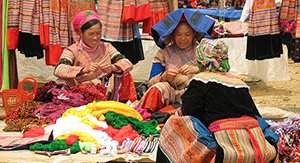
(219, 105)
(92, 61)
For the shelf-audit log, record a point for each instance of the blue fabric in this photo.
(226, 13)
(204, 136)
(198, 21)
(156, 69)
(270, 135)
(138, 34)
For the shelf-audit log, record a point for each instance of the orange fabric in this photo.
(152, 100)
(127, 90)
(53, 54)
(44, 35)
(168, 109)
(12, 38)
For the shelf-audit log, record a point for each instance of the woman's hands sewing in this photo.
(170, 74)
(97, 68)
(188, 69)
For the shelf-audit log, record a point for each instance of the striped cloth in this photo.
(186, 139)
(241, 140)
(263, 18)
(13, 24)
(44, 23)
(288, 13)
(113, 30)
(59, 37)
(29, 17)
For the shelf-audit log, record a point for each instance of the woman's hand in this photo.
(169, 75)
(188, 69)
(93, 67)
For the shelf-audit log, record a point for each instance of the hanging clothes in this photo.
(58, 30)
(290, 27)
(159, 9)
(264, 40)
(45, 23)
(13, 24)
(123, 36)
(29, 21)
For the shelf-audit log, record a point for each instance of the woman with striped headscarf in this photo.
(217, 105)
(92, 61)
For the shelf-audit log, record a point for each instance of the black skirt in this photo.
(264, 47)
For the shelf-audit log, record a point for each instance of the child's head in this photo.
(212, 55)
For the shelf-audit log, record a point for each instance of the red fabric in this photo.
(152, 100)
(127, 90)
(128, 14)
(257, 152)
(90, 92)
(168, 109)
(120, 134)
(12, 38)
(142, 13)
(34, 132)
(53, 54)
(44, 35)
(71, 139)
(133, 14)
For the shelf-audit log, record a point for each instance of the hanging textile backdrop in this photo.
(271, 69)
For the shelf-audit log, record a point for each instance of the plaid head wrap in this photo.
(212, 55)
(83, 17)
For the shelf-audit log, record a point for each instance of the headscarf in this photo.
(162, 31)
(212, 55)
(83, 17)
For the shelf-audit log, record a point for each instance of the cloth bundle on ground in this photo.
(199, 22)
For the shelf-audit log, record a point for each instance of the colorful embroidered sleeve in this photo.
(65, 69)
(119, 60)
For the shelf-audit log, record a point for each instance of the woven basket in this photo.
(12, 98)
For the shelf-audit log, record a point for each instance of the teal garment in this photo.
(5, 54)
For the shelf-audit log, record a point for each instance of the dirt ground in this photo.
(280, 94)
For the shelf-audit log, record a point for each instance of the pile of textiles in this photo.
(289, 142)
(80, 119)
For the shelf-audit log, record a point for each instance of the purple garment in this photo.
(62, 100)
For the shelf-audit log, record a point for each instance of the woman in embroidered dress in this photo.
(224, 105)
(175, 63)
(92, 61)
(172, 68)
